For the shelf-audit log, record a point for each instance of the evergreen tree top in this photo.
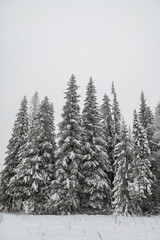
(24, 103)
(136, 122)
(106, 112)
(106, 106)
(115, 106)
(21, 122)
(113, 88)
(33, 109)
(72, 88)
(143, 104)
(145, 113)
(71, 108)
(116, 113)
(90, 112)
(91, 90)
(35, 96)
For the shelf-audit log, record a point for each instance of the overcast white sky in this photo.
(42, 42)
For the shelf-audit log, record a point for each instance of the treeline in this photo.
(94, 165)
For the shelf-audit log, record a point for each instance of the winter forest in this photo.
(93, 164)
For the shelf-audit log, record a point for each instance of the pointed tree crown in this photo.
(33, 108)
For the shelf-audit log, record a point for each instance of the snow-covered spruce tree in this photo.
(107, 124)
(142, 174)
(122, 203)
(33, 109)
(147, 120)
(36, 170)
(95, 184)
(116, 114)
(66, 186)
(156, 155)
(18, 139)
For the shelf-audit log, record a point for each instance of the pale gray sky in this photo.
(42, 42)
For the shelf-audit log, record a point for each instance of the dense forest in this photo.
(94, 164)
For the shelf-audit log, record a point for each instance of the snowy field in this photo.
(23, 227)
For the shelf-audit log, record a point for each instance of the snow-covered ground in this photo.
(23, 227)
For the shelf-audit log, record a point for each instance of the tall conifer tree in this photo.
(142, 175)
(18, 139)
(66, 186)
(116, 116)
(36, 170)
(107, 124)
(96, 185)
(156, 155)
(122, 203)
(147, 120)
